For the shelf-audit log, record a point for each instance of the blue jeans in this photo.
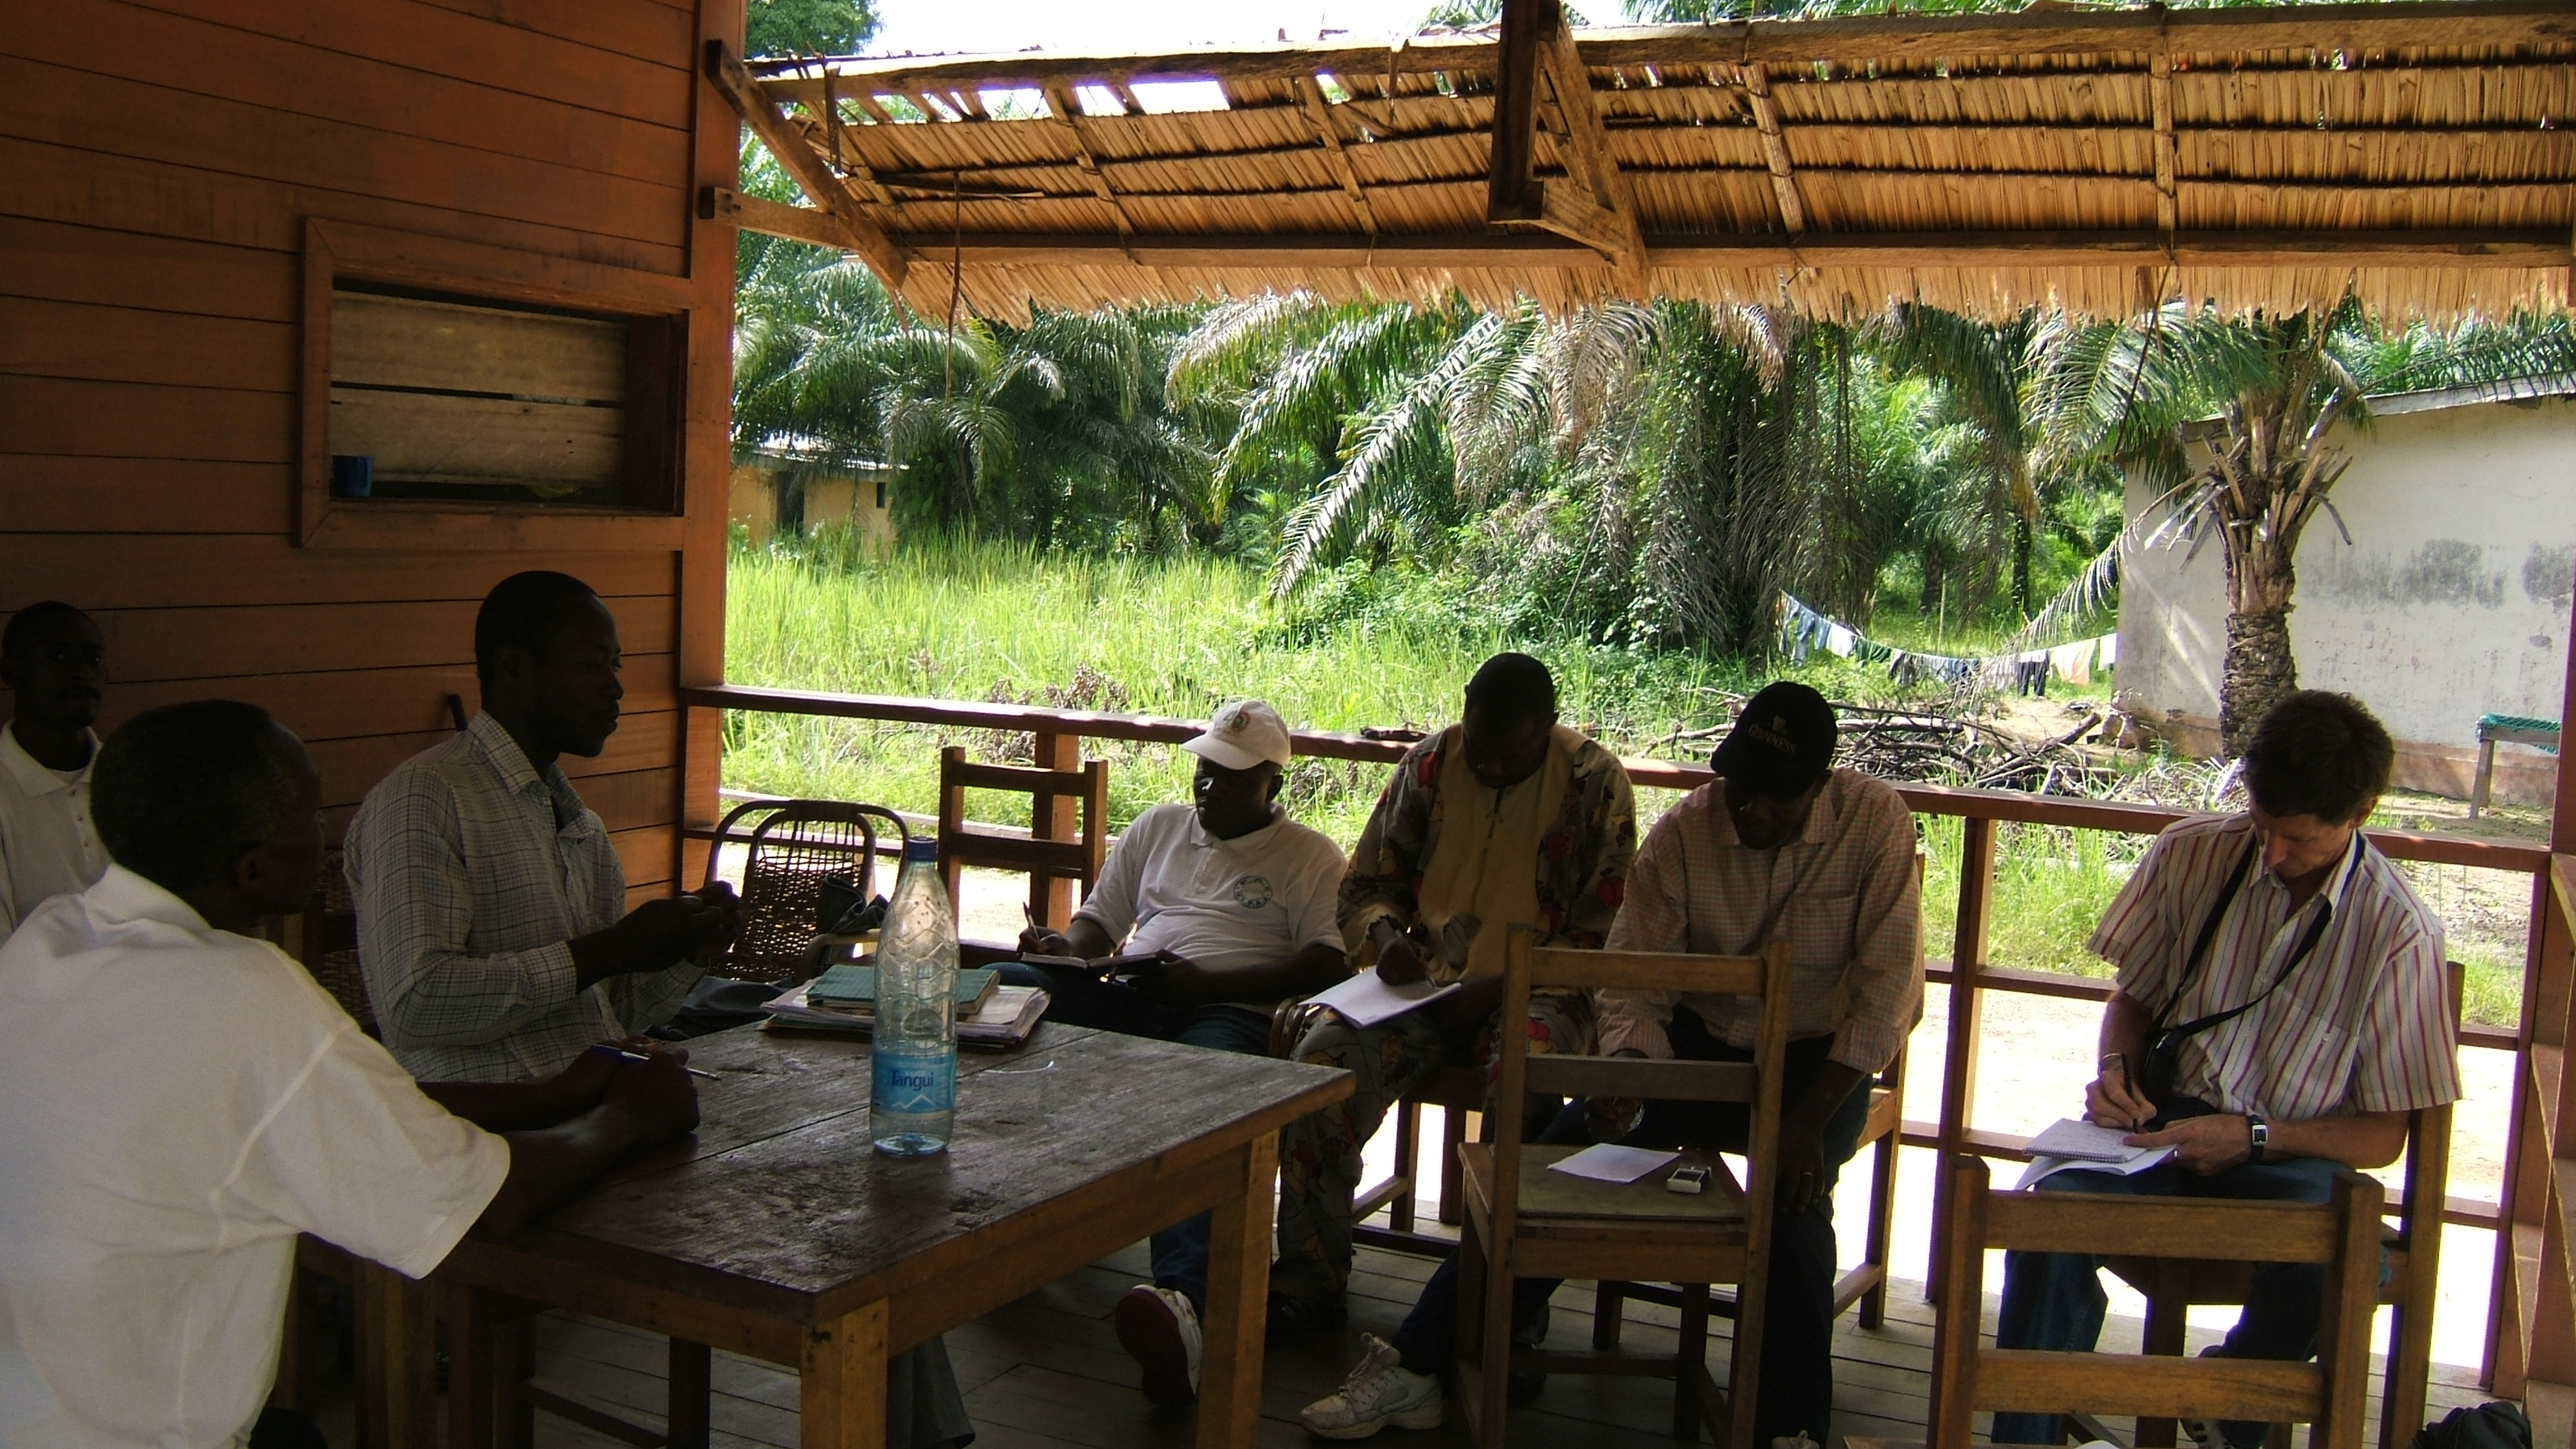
(1797, 1387)
(2055, 1301)
(1080, 998)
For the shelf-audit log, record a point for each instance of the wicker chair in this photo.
(793, 849)
(325, 939)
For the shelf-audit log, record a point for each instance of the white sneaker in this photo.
(1160, 1330)
(1379, 1392)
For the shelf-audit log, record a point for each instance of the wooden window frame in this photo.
(338, 251)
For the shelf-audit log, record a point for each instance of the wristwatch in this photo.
(2259, 1133)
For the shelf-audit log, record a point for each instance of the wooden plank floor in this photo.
(1046, 1372)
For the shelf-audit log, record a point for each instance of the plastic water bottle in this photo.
(914, 1106)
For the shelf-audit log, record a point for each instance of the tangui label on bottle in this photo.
(912, 1082)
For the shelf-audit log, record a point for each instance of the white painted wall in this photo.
(2450, 602)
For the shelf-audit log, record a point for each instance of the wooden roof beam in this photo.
(2308, 28)
(829, 193)
(1775, 147)
(2160, 84)
(2508, 250)
(1068, 111)
(1592, 205)
(1320, 113)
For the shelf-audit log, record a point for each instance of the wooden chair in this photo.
(2414, 1248)
(1633, 1232)
(1881, 1133)
(791, 850)
(2329, 1393)
(963, 844)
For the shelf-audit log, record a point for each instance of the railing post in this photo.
(1051, 817)
(1959, 1061)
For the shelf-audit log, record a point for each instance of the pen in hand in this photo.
(608, 1050)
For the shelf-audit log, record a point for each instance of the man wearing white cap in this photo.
(1234, 903)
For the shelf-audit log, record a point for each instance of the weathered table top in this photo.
(779, 1206)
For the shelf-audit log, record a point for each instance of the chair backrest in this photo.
(1045, 861)
(2342, 1234)
(789, 852)
(324, 938)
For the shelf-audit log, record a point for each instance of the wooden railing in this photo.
(2531, 1262)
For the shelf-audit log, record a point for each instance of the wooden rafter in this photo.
(1062, 104)
(1593, 205)
(1320, 113)
(1775, 147)
(2160, 82)
(2351, 29)
(2513, 250)
(831, 196)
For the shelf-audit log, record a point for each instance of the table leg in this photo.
(842, 1397)
(692, 1374)
(1238, 1304)
(470, 1367)
(397, 1366)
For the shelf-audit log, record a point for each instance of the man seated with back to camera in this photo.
(185, 1100)
(54, 661)
(1782, 844)
(2280, 1009)
(1230, 904)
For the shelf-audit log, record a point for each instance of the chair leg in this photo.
(1690, 1355)
(692, 1371)
(2410, 1362)
(2166, 1320)
(1453, 1133)
(1882, 1224)
(1471, 1364)
(514, 1362)
(1608, 1308)
(1408, 1166)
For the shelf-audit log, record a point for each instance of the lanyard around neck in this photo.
(2209, 933)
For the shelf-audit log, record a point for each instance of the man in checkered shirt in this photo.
(492, 920)
(2299, 986)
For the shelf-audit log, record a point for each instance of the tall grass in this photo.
(990, 621)
(996, 621)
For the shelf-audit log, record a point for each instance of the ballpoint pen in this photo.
(607, 1050)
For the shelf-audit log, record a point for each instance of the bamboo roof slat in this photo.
(2005, 159)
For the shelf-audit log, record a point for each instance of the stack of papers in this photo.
(1365, 1000)
(852, 989)
(1006, 1018)
(2073, 1142)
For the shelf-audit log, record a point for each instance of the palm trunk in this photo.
(2259, 672)
(2021, 564)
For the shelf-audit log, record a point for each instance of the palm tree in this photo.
(2269, 391)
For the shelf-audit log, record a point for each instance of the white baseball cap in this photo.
(1242, 735)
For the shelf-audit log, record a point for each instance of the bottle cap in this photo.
(921, 850)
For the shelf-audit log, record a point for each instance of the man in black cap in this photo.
(1781, 844)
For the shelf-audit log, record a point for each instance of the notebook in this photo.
(854, 989)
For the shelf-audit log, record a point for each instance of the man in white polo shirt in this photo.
(1234, 904)
(54, 661)
(184, 1100)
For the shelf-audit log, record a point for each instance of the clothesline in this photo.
(1802, 629)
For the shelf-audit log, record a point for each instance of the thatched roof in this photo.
(2094, 159)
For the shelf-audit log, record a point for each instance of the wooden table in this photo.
(776, 1232)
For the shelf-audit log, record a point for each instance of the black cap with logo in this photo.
(1783, 741)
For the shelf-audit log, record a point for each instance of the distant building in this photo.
(780, 487)
(2449, 602)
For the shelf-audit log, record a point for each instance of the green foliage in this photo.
(807, 27)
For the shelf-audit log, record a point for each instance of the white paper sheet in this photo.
(2139, 1160)
(1609, 1162)
(1364, 1000)
(2084, 1141)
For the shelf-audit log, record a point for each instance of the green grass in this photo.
(1178, 637)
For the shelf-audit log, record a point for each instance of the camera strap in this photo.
(2209, 933)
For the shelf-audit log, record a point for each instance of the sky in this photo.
(927, 26)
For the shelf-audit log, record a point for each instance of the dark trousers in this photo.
(2055, 1300)
(1080, 998)
(1797, 1388)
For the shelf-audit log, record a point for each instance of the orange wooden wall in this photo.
(161, 158)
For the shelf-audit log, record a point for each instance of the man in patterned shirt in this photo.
(1504, 819)
(492, 920)
(2296, 987)
(1783, 844)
